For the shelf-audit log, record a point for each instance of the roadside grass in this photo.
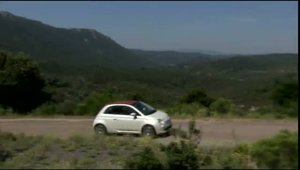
(125, 151)
(19, 151)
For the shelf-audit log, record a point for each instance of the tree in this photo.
(198, 96)
(285, 92)
(221, 106)
(21, 84)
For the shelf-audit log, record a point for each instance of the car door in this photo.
(127, 122)
(111, 116)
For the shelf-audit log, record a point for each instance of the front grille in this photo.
(168, 127)
(168, 122)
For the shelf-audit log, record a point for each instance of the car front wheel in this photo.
(148, 131)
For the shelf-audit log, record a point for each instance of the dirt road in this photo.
(214, 131)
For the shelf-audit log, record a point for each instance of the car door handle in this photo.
(115, 119)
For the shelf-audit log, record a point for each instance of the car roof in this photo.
(129, 102)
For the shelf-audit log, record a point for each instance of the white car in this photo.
(131, 117)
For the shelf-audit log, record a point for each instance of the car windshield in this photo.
(144, 108)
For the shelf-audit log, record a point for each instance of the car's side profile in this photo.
(131, 117)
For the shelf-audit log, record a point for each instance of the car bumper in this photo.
(163, 129)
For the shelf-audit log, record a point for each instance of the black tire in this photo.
(100, 129)
(148, 130)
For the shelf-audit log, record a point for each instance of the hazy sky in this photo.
(229, 27)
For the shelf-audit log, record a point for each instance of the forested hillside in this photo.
(76, 71)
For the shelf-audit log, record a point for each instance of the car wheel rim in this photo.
(99, 130)
(148, 131)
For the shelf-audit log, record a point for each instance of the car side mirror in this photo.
(134, 115)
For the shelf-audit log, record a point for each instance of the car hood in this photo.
(159, 115)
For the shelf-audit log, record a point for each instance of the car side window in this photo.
(113, 110)
(125, 110)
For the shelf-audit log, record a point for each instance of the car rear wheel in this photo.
(100, 129)
(148, 131)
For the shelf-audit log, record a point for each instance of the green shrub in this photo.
(178, 156)
(92, 104)
(84, 163)
(33, 157)
(279, 152)
(285, 92)
(198, 96)
(291, 110)
(45, 109)
(2, 111)
(67, 107)
(221, 105)
(178, 132)
(144, 160)
(222, 157)
(183, 109)
(4, 153)
(181, 156)
(192, 127)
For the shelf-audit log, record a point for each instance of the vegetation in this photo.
(21, 84)
(144, 160)
(19, 151)
(279, 152)
(221, 106)
(64, 71)
(60, 91)
(284, 95)
(198, 96)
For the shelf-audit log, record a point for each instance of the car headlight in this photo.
(161, 122)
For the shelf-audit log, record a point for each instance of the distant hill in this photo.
(69, 46)
(173, 58)
(208, 52)
(268, 62)
(51, 46)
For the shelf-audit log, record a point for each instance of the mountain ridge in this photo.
(63, 45)
(85, 46)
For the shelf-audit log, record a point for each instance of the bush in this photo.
(285, 92)
(183, 109)
(279, 152)
(67, 107)
(181, 156)
(4, 154)
(144, 160)
(178, 132)
(221, 157)
(221, 105)
(45, 109)
(8, 111)
(92, 104)
(178, 156)
(198, 96)
(291, 110)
